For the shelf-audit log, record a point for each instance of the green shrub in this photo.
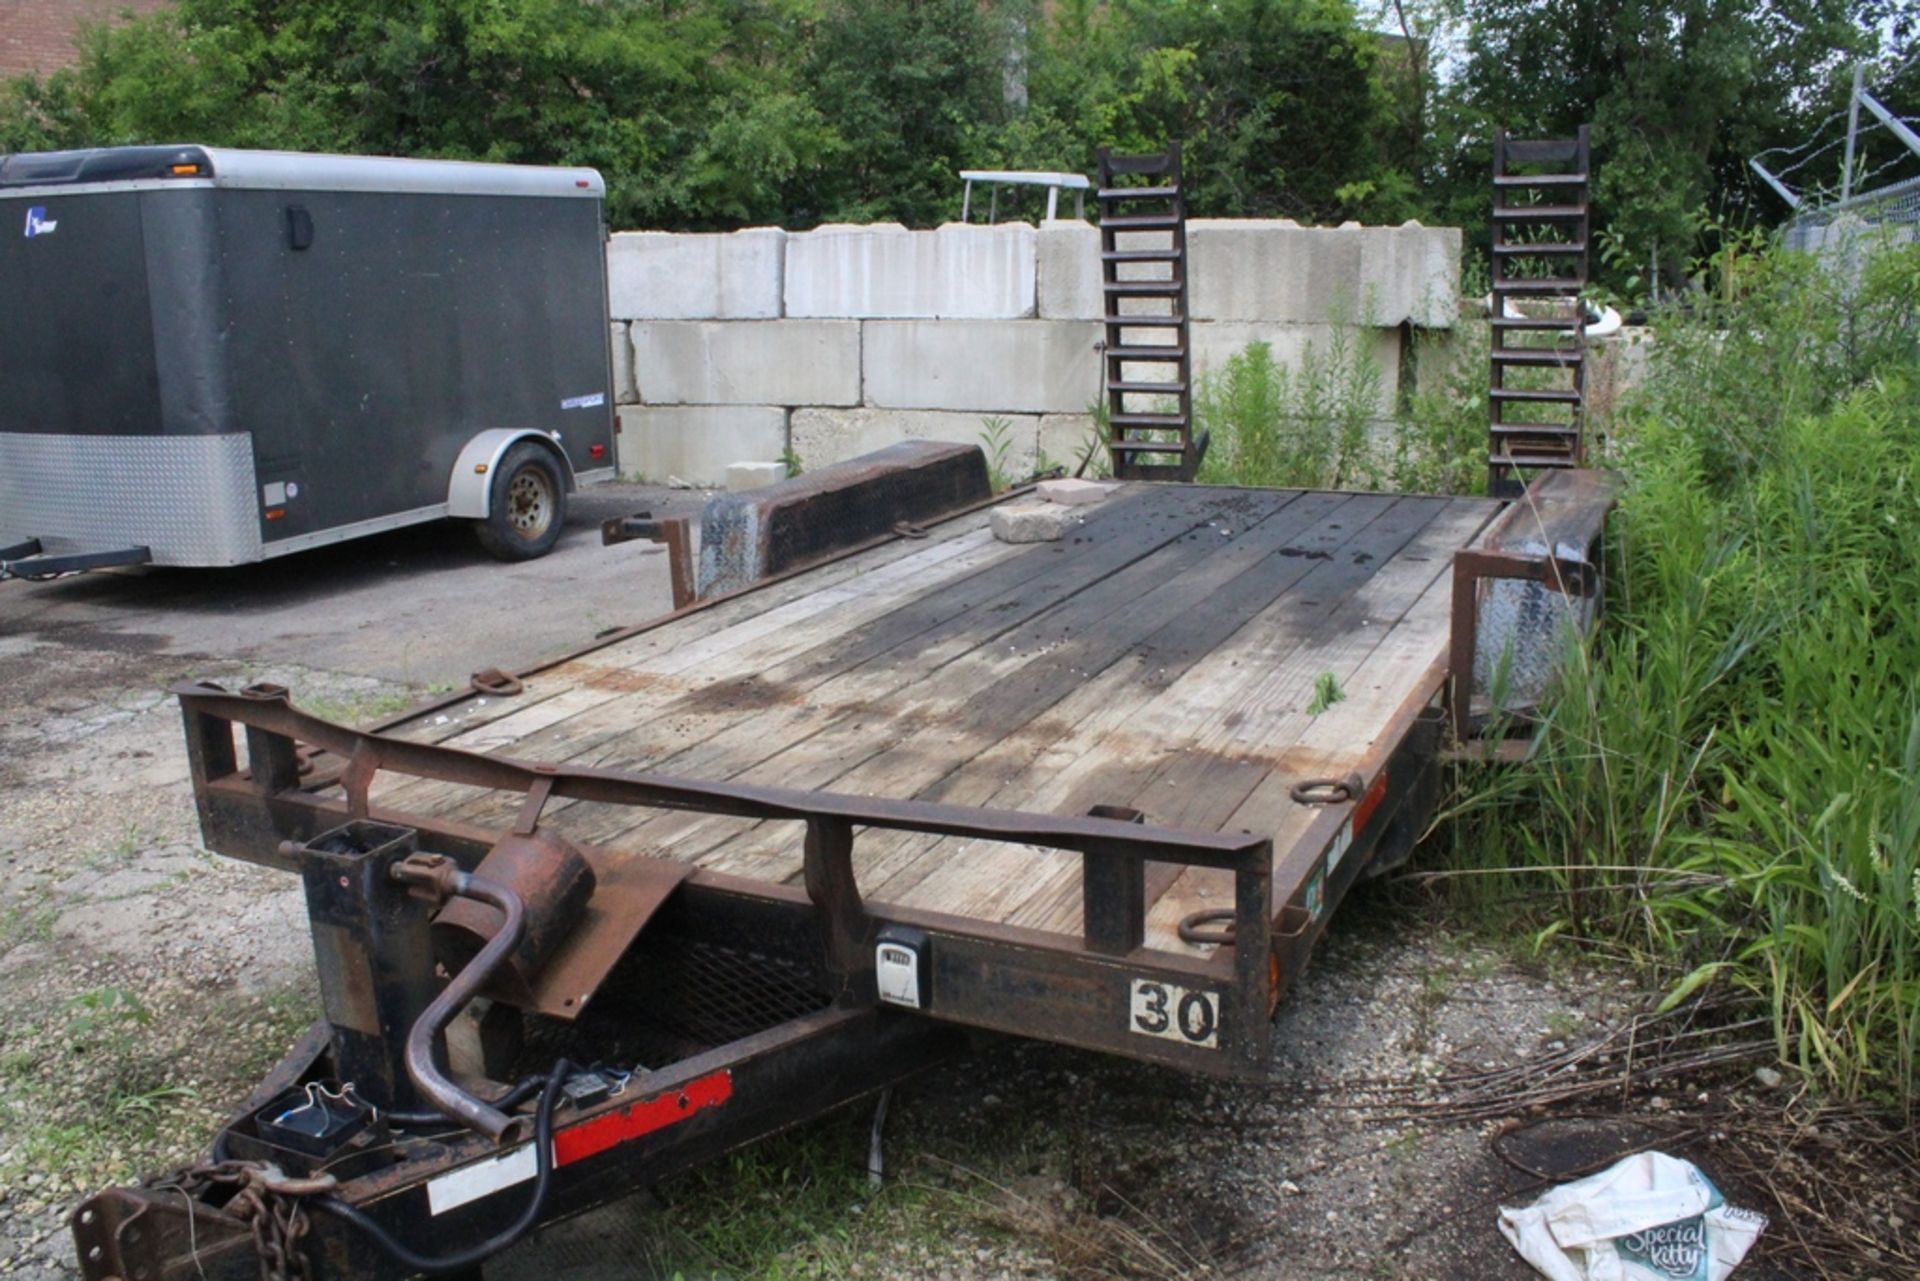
(1304, 426)
(1728, 785)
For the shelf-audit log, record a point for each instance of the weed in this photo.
(996, 441)
(1562, 1025)
(106, 1015)
(1326, 692)
(791, 461)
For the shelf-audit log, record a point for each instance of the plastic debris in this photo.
(1649, 1217)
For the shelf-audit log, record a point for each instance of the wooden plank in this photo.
(731, 724)
(1099, 728)
(462, 717)
(1195, 772)
(975, 704)
(1381, 668)
(998, 677)
(608, 697)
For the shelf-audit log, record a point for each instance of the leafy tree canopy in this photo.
(708, 114)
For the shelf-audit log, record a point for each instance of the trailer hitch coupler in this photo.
(442, 877)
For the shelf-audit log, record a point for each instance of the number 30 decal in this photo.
(1176, 1014)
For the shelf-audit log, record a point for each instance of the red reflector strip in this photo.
(611, 1129)
(1369, 803)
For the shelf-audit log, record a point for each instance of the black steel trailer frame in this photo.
(741, 1008)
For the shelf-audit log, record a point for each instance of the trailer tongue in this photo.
(715, 875)
(30, 560)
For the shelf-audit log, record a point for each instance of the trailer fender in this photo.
(470, 488)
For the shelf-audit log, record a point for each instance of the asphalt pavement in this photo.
(424, 606)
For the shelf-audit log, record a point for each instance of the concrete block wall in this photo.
(744, 346)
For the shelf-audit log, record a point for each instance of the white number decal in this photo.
(1176, 1014)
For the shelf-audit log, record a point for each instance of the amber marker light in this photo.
(185, 171)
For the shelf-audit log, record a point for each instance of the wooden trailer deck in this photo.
(1163, 657)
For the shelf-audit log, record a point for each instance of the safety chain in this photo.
(268, 1201)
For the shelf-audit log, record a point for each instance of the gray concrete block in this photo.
(747, 362)
(661, 275)
(1041, 366)
(1068, 264)
(1031, 522)
(821, 437)
(1069, 492)
(697, 442)
(1216, 343)
(886, 271)
(1262, 270)
(623, 392)
(1064, 438)
(745, 476)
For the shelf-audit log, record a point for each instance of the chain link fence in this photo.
(1893, 211)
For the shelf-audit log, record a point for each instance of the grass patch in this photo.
(359, 709)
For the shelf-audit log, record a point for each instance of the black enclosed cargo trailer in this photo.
(784, 846)
(211, 357)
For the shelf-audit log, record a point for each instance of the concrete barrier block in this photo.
(1248, 269)
(886, 271)
(1068, 257)
(1216, 343)
(1064, 438)
(623, 392)
(747, 362)
(662, 275)
(745, 476)
(1042, 366)
(696, 443)
(1411, 274)
(821, 437)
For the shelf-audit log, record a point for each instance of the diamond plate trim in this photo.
(191, 500)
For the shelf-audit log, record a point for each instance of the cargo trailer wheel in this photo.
(527, 505)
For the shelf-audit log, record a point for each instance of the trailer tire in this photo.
(526, 505)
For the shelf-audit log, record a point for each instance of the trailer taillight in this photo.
(596, 452)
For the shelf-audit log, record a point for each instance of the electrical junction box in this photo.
(899, 966)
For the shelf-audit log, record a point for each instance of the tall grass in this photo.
(1325, 422)
(1728, 783)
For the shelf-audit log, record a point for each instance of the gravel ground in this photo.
(145, 985)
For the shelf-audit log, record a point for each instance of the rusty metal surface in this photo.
(672, 533)
(442, 877)
(807, 519)
(276, 714)
(235, 810)
(552, 880)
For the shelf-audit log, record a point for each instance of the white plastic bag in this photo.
(1650, 1217)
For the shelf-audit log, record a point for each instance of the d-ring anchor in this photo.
(491, 680)
(1327, 791)
(1215, 925)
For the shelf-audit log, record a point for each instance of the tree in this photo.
(1678, 95)
(689, 109)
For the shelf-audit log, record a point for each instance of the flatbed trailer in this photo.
(1104, 791)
